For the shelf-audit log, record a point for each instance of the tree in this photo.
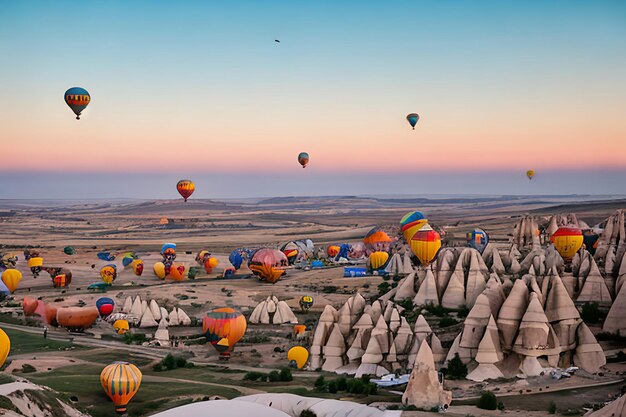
(456, 368)
(332, 387)
(285, 375)
(320, 384)
(488, 401)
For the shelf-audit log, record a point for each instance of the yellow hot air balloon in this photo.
(35, 262)
(299, 355)
(5, 347)
(410, 231)
(530, 174)
(425, 244)
(378, 259)
(11, 278)
(159, 270)
(567, 241)
(120, 381)
(121, 326)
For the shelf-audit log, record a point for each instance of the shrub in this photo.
(383, 288)
(436, 310)
(342, 383)
(307, 413)
(320, 384)
(371, 388)
(285, 375)
(253, 376)
(332, 387)
(500, 406)
(157, 367)
(552, 408)
(488, 401)
(463, 311)
(171, 362)
(591, 313)
(456, 368)
(274, 376)
(356, 386)
(27, 368)
(447, 322)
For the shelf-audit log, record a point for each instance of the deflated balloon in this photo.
(478, 239)
(567, 241)
(298, 355)
(77, 99)
(412, 119)
(236, 257)
(425, 244)
(106, 256)
(120, 381)
(378, 259)
(268, 264)
(11, 278)
(108, 273)
(209, 264)
(303, 159)
(185, 188)
(224, 323)
(77, 317)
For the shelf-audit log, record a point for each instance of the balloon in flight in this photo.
(223, 328)
(303, 159)
(185, 188)
(77, 99)
(412, 119)
(478, 239)
(530, 174)
(425, 244)
(567, 241)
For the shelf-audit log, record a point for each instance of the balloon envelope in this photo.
(567, 241)
(11, 278)
(77, 317)
(478, 239)
(268, 264)
(120, 381)
(108, 273)
(105, 306)
(121, 326)
(425, 244)
(77, 99)
(299, 355)
(106, 256)
(333, 251)
(530, 174)
(412, 119)
(137, 266)
(224, 323)
(5, 346)
(69, 250)
(177, 271)
(185, 188)
(303, 159)
(159, 270)
(378, 259)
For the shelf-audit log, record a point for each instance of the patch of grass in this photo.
(7, 404)
(23, 342)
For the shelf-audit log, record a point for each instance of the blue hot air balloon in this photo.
(478, 239)
(106, 256)
(105, 306)
(413, 118)
(236, 257)
(77, 99)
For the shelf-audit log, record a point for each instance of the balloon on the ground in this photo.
(105, 306)
(11, 278)
(106, 256)
(69, 250)
(78, 318)
(412, 118)
(333, 250)
(224, 323)
(298, 355)
(159, 270)
(77, 99)
(5, 347)
(377, 240)
(185, 188)
(137, 266)
(120, 381)
(236, 257)
(177, 271)
(530, 174)
(590, 240)
(378, 259)
(306, 302)
(121, 326)
(425, 244)
(303, 159)
(108, 273)
(567, 241)
(202, 256)
(268, 264)
(478, 239)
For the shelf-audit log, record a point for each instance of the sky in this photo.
(201, 90)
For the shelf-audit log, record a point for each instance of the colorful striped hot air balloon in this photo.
(11, 278)
(137, 266)
(411, 223)
(378, 259)
(425, 244)
(5, 346)
(120, 381)
(159, 270)
(567, 241)
(478, 239)
(185, 188)
(108, 273)
(224, 323)
(77, 99)
(268, 264)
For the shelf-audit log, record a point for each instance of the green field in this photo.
(23, 342)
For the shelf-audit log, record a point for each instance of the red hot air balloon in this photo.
(185, 188)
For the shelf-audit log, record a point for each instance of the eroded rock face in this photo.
(424, 389)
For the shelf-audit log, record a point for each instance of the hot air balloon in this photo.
(108, 273)
(209, 264)
(411, 223)
(303, 159)
(413, 118)
(236, 257)
(530, 174)
(224, 323)
(590, 240)
(5, 347)
(177, 271)
(299, 329)
(306, 302)
(121, 326)
(35, 265)
(77, 99)
(333, 250)
(69, 250)
(202, 256)
(105, 306)
(425, 244)
(137, 266)
(29, 305)
(11, 278)
(478, 239)
(185, 188)
(120, 381)
(77, 318)
(378, 259)
(106, 256)
(377, 240)
(168, 251)
(159, 270)
(268, 264)
(297, 356)
(567, 241)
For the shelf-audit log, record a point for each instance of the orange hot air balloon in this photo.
(567, 241)
(5, 346)
(425, 244)
(185, 188)
(333, 251)
(77, 317)
(299, 329)
(50, 314)
(268, 264)
(224, 323)
(11, 278)
(120, 381)
(121, 326)
(29, 305)
(378, 259)
(298, 355)
(177, 271)
(137, 266)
